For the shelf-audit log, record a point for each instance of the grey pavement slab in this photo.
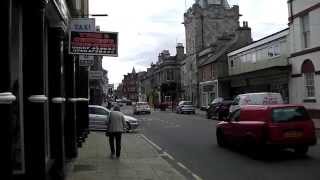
(139, 160)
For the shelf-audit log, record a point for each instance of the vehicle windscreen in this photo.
(289, 114)
(187, 103)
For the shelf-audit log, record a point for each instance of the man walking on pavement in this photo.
(115, 129)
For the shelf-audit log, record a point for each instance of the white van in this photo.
(262, 98)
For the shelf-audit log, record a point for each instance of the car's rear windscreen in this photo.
(289, 114)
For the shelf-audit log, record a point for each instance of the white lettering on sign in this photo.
(83, 25)
(85, 60)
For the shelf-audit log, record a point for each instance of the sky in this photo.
(146, 27)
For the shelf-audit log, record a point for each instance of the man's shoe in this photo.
(111, 156)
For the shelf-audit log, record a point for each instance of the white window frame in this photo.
(270, 52)
(276, 50)
(305, 29)
(309, 85)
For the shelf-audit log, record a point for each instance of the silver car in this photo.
(98, 116)
(141, 107)
(185, 107)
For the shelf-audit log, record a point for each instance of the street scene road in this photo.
(189, 143)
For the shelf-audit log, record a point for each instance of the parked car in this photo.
(262, 98)
(185, 107)
(119, 102)
(98, 117)
(141, 107)
(277, 126)
(219, 108)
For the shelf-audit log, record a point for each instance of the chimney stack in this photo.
(180, 51)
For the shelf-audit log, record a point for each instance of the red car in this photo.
(280, 126)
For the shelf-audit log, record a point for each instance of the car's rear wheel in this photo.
(302, 150)
(220, 138)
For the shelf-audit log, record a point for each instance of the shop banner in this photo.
(94, 43)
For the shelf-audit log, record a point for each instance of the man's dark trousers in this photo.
(117, 136)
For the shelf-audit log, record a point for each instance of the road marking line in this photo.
(189, 171)
(168, 155)
(196, 177)
(152, 143)
(184, 167)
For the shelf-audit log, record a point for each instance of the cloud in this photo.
(265, 17)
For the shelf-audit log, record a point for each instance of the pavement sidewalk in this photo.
(139, 160)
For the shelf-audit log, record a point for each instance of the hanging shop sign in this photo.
(94, 43)
(95, 75)
(83, 25)
(85, 60)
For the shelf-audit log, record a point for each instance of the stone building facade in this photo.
(142, 97)
(261, 66)
(97, 83)
(149, 85)
(212, 30)
(161, 82)
(304, 56)
(130, 86)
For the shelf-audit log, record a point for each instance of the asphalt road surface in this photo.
(190, 142)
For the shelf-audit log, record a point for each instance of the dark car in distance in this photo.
(219, 108)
